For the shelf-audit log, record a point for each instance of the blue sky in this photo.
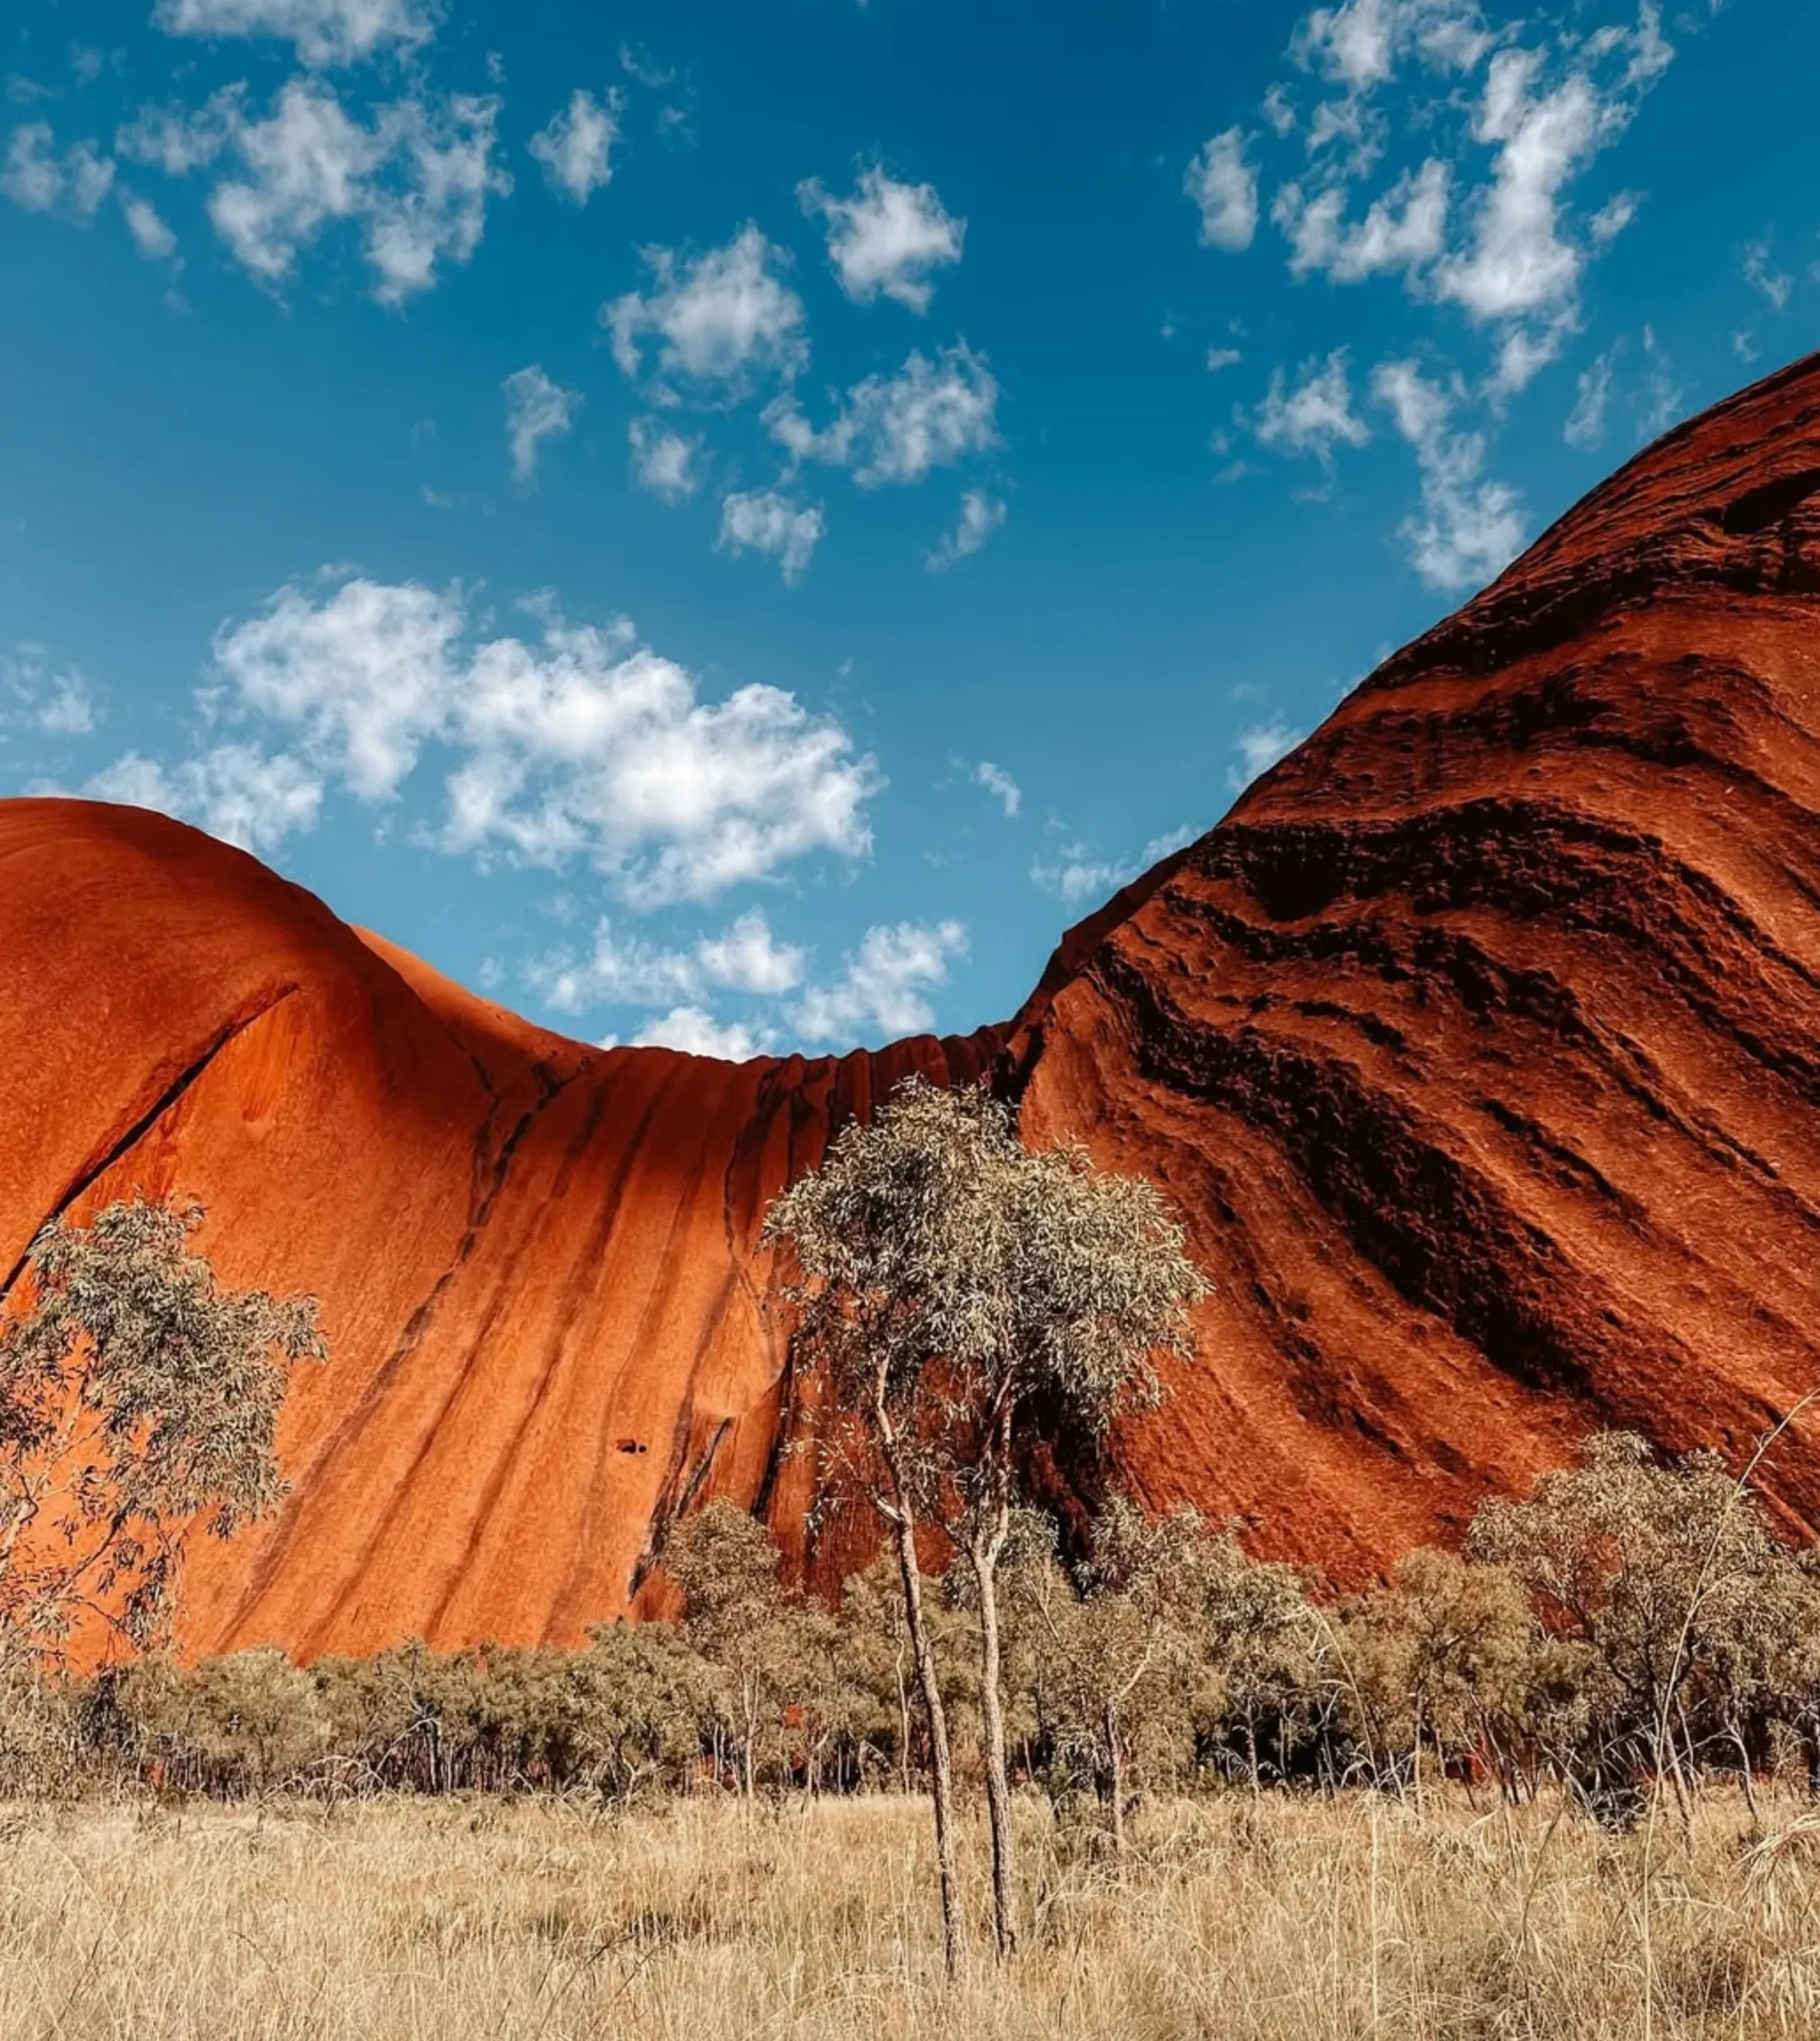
(734, 525)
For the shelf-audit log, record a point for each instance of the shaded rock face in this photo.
(1481, 1042)
(1480, 1046)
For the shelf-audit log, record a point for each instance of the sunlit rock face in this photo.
(1479, 1047)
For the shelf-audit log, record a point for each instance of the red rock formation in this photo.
(1480, 1045)
(1481, 1041)
(533, 1257)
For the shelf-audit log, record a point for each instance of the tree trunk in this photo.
(1416, 1760)
(984, 1552)
(940, 1771)
(1116, 1772)
(750, 1739)
(1744, 1778)
(903, 1722)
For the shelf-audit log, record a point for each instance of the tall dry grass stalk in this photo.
(1232, 1919)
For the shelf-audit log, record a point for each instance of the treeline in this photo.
(1632, 1623)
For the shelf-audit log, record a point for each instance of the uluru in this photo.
(1477, 1046)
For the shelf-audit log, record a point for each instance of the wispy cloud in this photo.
(536, 409)
(981, 516)
(999, 783)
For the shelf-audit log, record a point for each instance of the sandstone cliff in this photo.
(1480, 1045)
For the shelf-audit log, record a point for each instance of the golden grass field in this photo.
(1233, 1921)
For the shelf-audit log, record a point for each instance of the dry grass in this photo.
(1235, 1921)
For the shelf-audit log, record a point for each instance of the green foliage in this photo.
(948, 1278)
(1683, 1630)
(1632, 1620)
(951, 1283)
(1438, 1662)
(136, 1398)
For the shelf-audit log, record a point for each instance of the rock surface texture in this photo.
(1479, 1045)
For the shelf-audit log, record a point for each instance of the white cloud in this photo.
(1358, 44)
(887, 237)
(1000, 785)
(662, 460)
(582, 746)
(1468, 528)
(640, 65)
(1259, 747)
(364, 676)
(618, 972)
(1516, 259)
(747, 957)
(1661, 400)
(1519, 262)
(325, 32)
(883, 992)
(1219, 358)
(981, 516)
(34, 696)
(1651, 53)
(1278, 109)
(178, 140)
(308, 163)
(536, 410)
(744, 957)
(416, 179)
(447, 174)
(765, 520)
(1525, 350)
(1775, 284)
(152, 237)
(1077, 877)
(721, 317)
(69, 708)
(1316, 416)
(1585, 429)
(235, 791)
(1404, 229)
(38, 180)
(1171, 841)
(1521, 266)
(576, 148)
(89, 177)
(1661, 404)
(895, 429)
(696, 1032)
(1614, 217)
(1354, 121)
(1224, 185)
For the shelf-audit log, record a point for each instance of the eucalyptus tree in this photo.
(953, 1287)
(138, 1401)
(1666, 1573)
(736, 1613)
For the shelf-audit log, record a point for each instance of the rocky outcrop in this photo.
(1480, 1045)
(1480, 1042)
(534, 1257)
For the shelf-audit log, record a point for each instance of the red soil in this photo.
(1480, 1045)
